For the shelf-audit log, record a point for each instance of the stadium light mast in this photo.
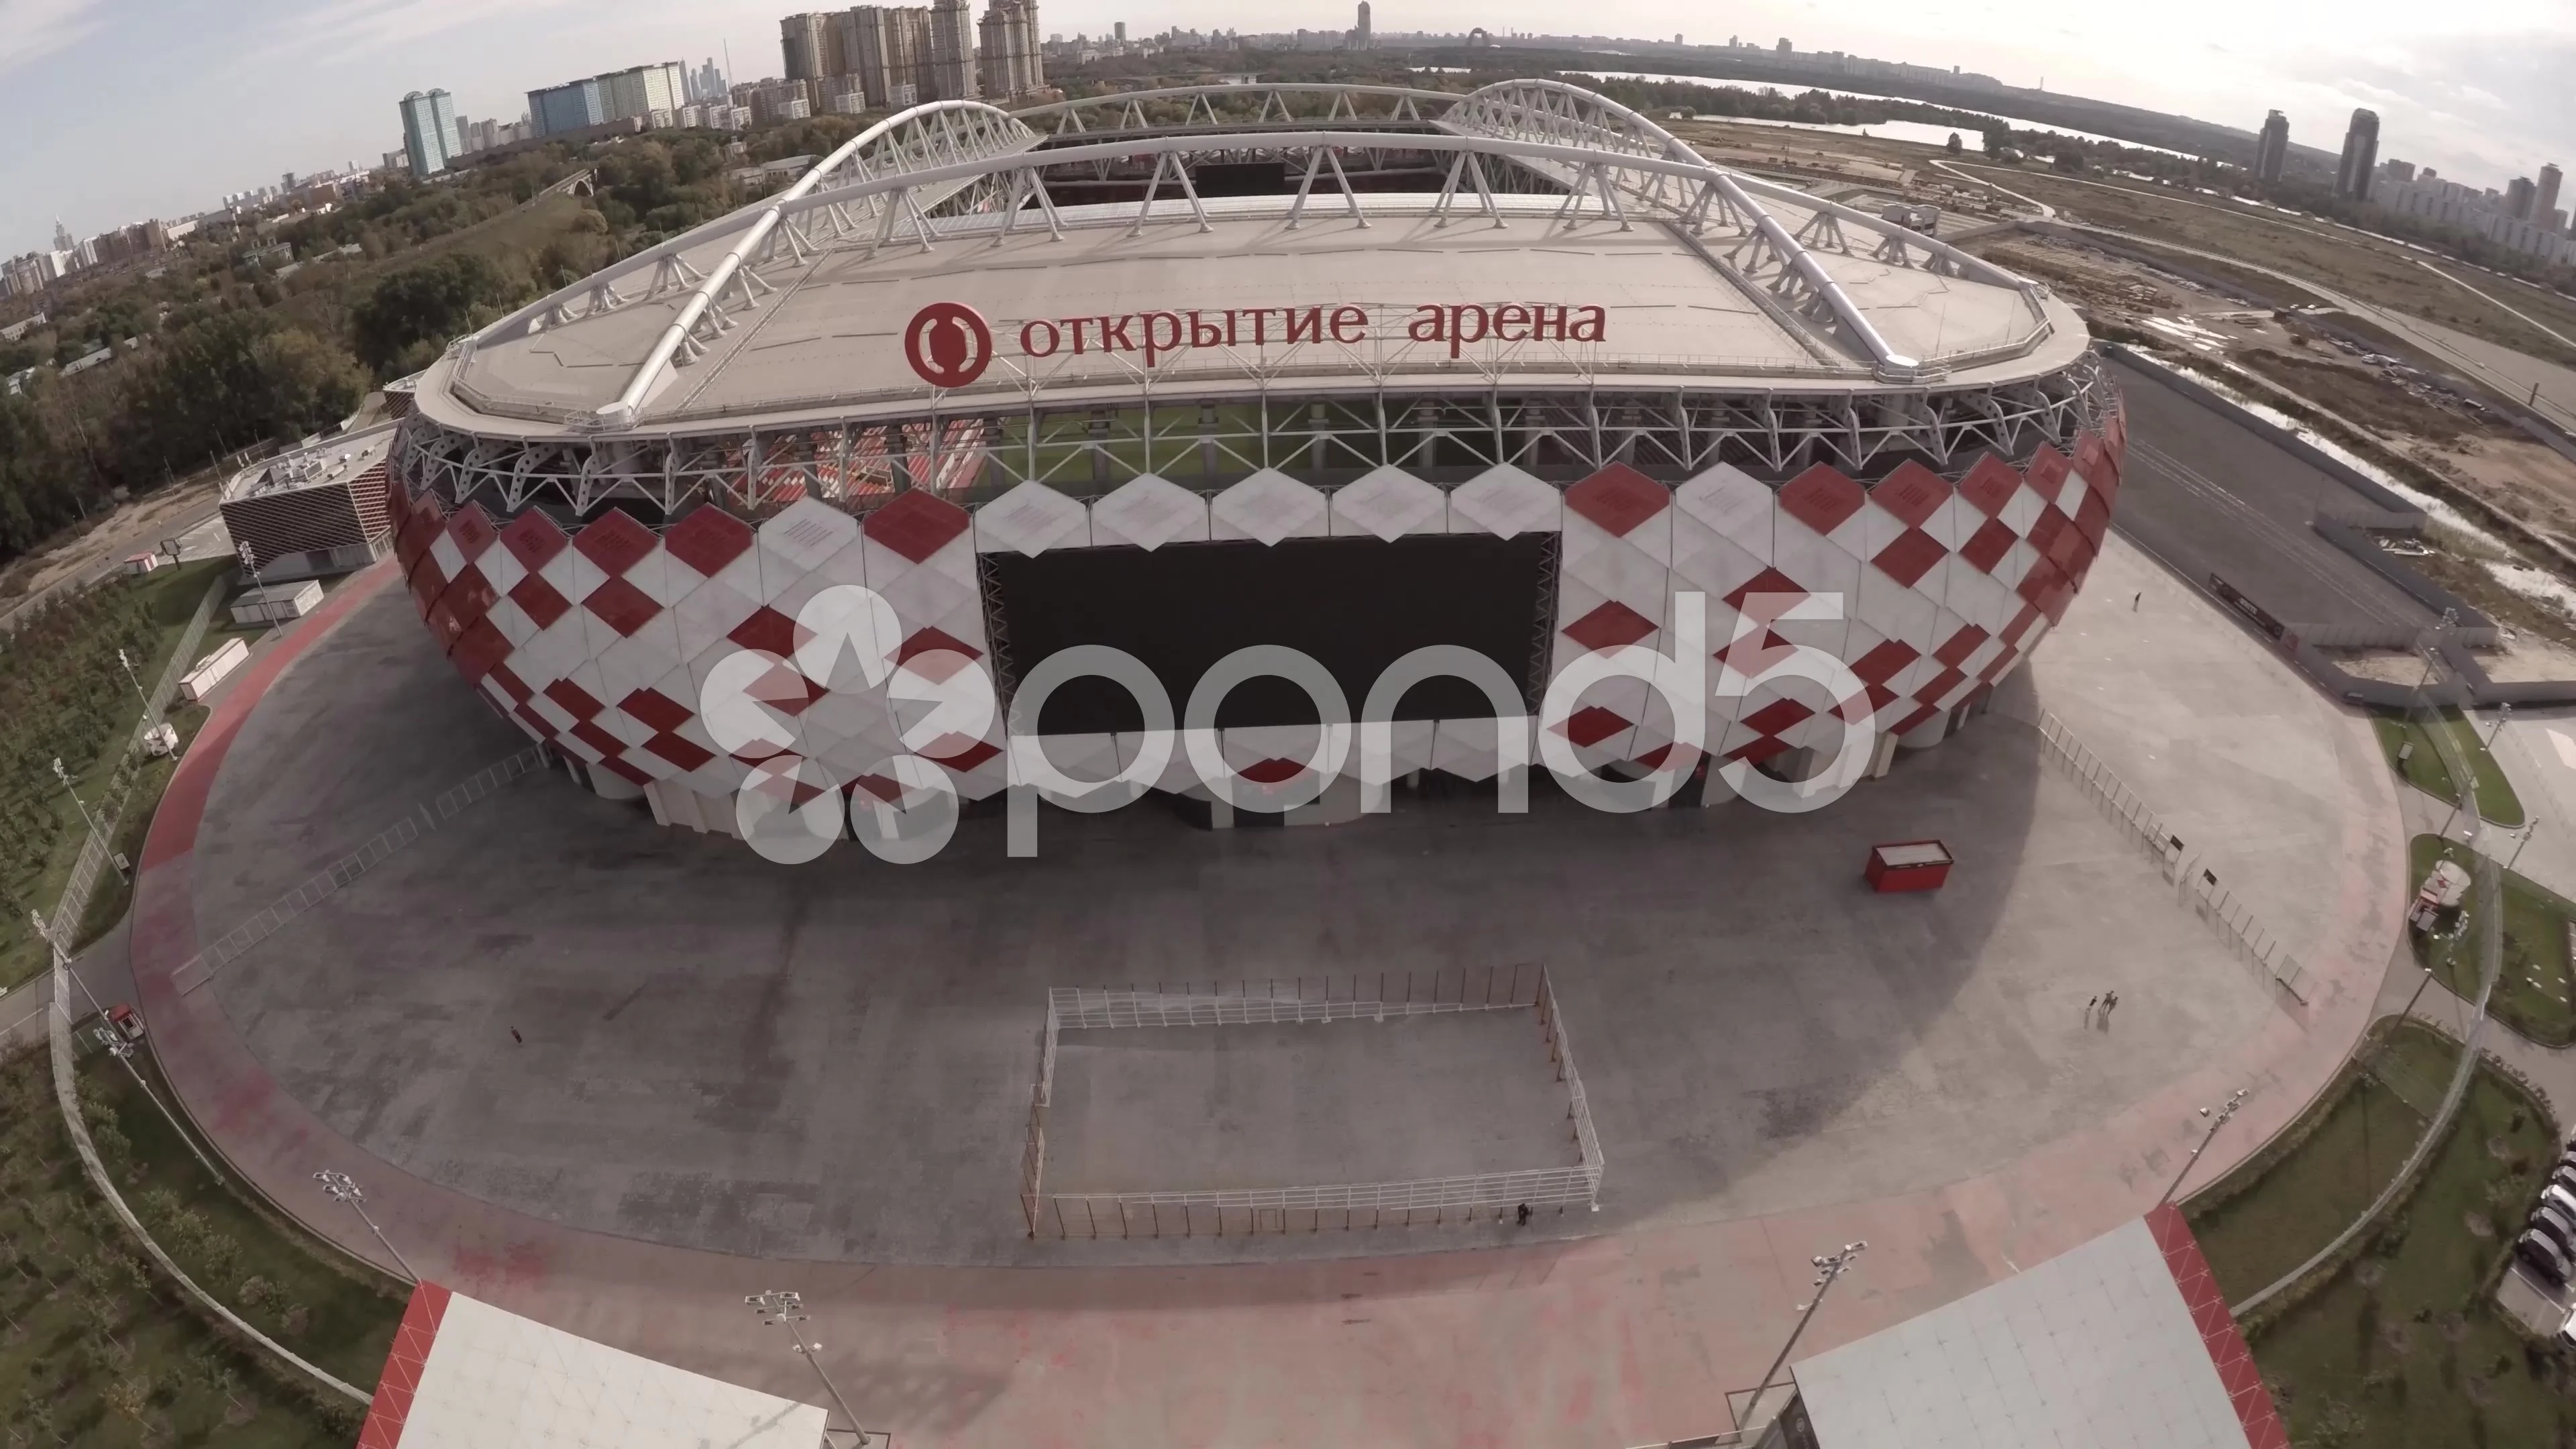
(780, 1305)
(1827, 1270)
(2234, 1101)
(343, 1189)
(74, 791)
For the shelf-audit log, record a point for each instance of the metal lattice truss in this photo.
(1207, 446)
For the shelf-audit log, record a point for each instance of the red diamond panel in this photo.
(1995, 667)
(1778, 717)
(511, 684)
(427, 583)
(615, 542)
(2035, 585)
(2088, 457)
(1881, 664)
(1988, 545)
(616, 765)
(1272, 772)
(708, 539)
(620, 605)
(1821, 498)
(1592, 724)
(469, 596)
(539, 600)
(533, 540)
(589, 733)
(785, 690)
(1617, 499)
(1955, 650)
(1913, 493)
(1610, 626)
(1910, 557)
(443, 625)
(1759, 750)
(686, 754)
(2093, 519)
(544, 727)
(766, 629)
(963, 755)
(1915, 721)
(2047, 471)
(1989, 485)
(575, 700)
(653, 707)
(479, 650)
(2045, 528)
(2020, 625)
(927, 641)
(916, 525)
(1938, 687)
(472, 531)
(1785, 592)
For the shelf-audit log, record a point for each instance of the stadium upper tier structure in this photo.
(1355, 370)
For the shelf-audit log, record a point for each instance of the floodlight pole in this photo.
(114, 1040)
(130, 678)
(2237, 1099)
(343, 1189)
(1827, 1270)
(788, 1307)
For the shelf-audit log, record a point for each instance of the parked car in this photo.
(2558, 1224)
(2546, 1260)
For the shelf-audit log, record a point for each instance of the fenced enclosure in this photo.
(1318, 1000)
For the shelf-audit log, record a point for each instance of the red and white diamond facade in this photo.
(1570, 332)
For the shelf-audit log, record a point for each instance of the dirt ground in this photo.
(2525, 657)
(134, 526)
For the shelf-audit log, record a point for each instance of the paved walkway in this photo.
(1621, 1339)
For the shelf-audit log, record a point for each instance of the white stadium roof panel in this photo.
(466, 1375)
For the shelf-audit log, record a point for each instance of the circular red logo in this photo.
(948, 344)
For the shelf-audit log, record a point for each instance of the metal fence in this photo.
(95, 850)
(426, 817)
(2391, 636)
(2233, 919)
(1311, 1208)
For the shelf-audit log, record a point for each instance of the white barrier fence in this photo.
(2233, 919)
(1308, 1208)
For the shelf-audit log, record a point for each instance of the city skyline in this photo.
(309, 85)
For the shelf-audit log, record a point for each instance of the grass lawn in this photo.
(2405, 1347)
(2534, 994)
(2423, 767)
(97, 1349)
(174, 594)
(2301, 1198)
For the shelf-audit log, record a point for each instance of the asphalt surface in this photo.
(2207, 496)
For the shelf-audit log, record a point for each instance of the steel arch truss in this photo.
(1210, 443)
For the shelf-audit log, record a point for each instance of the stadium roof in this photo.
(797, 308)
(2122, 1343)
(466, 1375)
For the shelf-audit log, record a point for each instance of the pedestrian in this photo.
(1522, 1217)
(2110, 999)
(2133, 601)
(514, 1036)
(2091, 1006)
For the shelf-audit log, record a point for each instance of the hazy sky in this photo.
(130, 108)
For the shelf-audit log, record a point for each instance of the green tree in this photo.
(411, 314)
(1952, 145)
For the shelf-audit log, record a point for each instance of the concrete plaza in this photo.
(724, 1060)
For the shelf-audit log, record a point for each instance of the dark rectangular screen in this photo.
(1355, 604)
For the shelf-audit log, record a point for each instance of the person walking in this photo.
(1521, 1218)
(514, 1036)
(2092, 1006)
(2135, 599)
(2110, 999)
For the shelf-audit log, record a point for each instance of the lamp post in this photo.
(783, 1306)
(1828, 1269)
(2235, 1100)
(136, 682)
(65, 776)
(342, 1189)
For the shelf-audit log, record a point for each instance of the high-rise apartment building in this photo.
(571, 106)
(1011, 62)
(2518, 194)
(2545, 200)
(429, 131)
(649, 93)
(2360, 156)
(1360, 32)
(811, 46)
(888, 47)
(638, 92)
(2272, 148)
(2393, 169)
(952, 52)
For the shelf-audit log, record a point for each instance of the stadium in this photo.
(1356, 370)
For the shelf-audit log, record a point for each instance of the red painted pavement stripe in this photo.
(404, 1364)
(2218, 1333)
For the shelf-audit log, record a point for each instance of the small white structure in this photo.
(211, 670)
(142, 563)
(277, 603)
(463, 1374)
